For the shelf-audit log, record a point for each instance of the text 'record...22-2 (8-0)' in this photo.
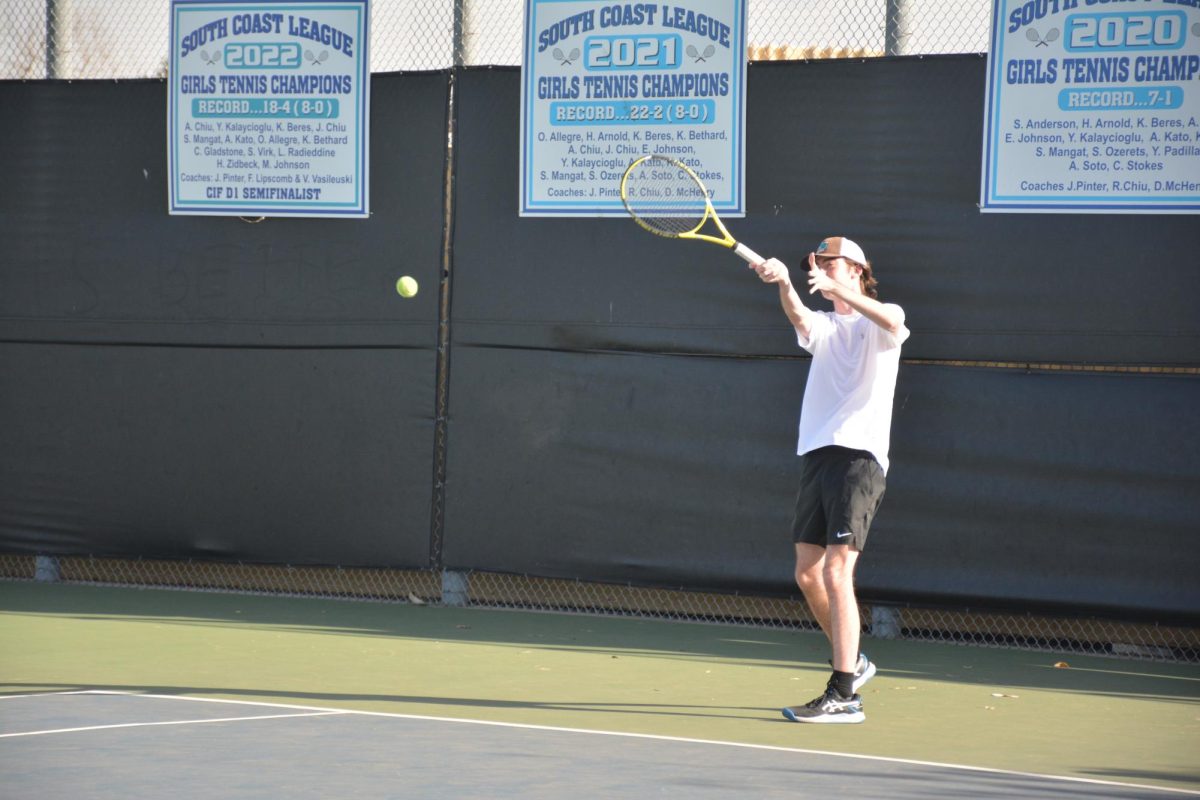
(605, 83)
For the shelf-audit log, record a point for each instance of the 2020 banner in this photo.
(1093, 106)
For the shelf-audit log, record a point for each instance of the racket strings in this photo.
(664, 197)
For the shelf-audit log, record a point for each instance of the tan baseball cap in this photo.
(836, 246)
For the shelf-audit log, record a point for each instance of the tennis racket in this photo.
(667, 198)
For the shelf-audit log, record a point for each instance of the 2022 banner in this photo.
(268, 108)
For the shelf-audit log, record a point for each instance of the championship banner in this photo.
(268, 108)
(1093, 106)
(604, 83)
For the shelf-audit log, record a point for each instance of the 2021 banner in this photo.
(604, 83)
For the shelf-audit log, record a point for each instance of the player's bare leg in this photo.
(844, 622)
(826, 577)
(810, 577)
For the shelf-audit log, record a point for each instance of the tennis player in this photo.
(845, 428)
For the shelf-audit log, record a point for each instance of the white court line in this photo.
(775, 748)
(45, 694)
(153, 724)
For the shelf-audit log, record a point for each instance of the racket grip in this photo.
(748, 254)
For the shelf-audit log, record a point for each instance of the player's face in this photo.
(841, 270)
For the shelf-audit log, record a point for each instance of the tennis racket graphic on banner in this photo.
(668, 199)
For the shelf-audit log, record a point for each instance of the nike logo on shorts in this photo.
(844, 535)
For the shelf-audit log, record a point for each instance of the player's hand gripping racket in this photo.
(668, 199)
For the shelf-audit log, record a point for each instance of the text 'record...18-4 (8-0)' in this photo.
(268, 108)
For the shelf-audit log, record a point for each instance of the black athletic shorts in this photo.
(840, 491)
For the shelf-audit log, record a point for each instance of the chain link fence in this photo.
(113, 39)
(1063, 636)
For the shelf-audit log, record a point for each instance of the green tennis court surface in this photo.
(1126, 724)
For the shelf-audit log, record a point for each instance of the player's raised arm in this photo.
(888, 317)
(775, 271)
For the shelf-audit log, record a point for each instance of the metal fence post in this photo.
(45, 569)
(896, 27)
(885, 623)
(459, 45)
(51, 40)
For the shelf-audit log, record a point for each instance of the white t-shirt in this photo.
(851, 383)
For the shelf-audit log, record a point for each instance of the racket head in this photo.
(665, 196)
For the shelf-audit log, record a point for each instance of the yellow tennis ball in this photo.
(406, 287)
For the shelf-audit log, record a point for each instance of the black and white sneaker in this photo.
(864, 670)
(829, 707)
